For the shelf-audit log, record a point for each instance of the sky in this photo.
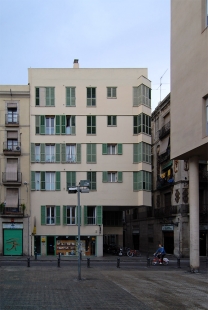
(100, 33)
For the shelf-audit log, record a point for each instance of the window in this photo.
(91, 96)
(70, 179)
(112, 149)
(71, 153)
(12, 116)
(50, 215)
(91, 125)
(49, 181)
(12, 199)
(70, 97)
(59, 124)
(111, 92)
(69, 215)
(12, 141)
(91, 176)
(91, 153)
(48, 153)
(37, 152)
(112, 176)
(142, 152)
(141, 95)
(93, 215)
(112, 120)
(142, 124)
(12, 170)
(142, 180)
(45, 96)
(112, 218)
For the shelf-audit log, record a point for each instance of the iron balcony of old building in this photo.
(165, 212)
(12, 120)
(13, 149)
(164, 131)
(164, 156)
(14, 212)
(12, 178)
(163, 183)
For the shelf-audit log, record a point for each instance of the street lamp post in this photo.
(82, 187)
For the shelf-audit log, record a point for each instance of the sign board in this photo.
(167, 227)
(84, 183)
(13, 225)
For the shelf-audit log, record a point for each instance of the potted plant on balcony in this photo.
(23, 207)
(2, 206)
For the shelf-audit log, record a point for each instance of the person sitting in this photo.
(160, 253)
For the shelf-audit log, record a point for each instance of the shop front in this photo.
(12, 239)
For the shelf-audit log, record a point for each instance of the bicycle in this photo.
(157, 260)
(132, 253)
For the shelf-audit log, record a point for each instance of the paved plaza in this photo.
(44, 285)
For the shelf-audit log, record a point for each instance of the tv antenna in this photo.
(161, 83)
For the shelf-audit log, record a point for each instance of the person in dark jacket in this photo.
(160, 252)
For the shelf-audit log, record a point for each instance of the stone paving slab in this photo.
(102, 287)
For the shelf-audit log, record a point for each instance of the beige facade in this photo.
(15, 170)
(189, 93)
(87, 124)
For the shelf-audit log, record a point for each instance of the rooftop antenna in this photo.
(161, 83)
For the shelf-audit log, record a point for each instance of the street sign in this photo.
(72, 190)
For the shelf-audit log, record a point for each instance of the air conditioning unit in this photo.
(17, 148)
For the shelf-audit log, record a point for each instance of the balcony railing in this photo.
(15, 212)
(12, 119)
(12, 178)
(164, 183)
(14, 149)
(164, 131)
(165, 156)
(165, 212)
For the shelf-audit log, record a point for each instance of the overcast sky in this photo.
(100, 33)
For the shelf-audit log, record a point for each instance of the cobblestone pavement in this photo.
(103, 286)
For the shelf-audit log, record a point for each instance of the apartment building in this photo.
(189, 102)
(87, 124)
(15, 170)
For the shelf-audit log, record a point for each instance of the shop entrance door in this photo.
(50, 245)
(37, 247)
(202, 243)
(169, 242)
(13, 241)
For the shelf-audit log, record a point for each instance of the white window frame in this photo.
(50, 153)
(37, 152)
(71, 153)
(112, 149)
(50, 215)
(50, 181)
(111, 92)
(49, 125)
(91, 219)
(71, 219)
(112, 177)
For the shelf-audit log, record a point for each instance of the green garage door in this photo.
(13, 241)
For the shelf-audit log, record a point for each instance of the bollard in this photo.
(58, 262)
(35, 255)
(178, 262)
(88, 263)
(118, 262)
(148, 262)
(59, 255)
(28, 262)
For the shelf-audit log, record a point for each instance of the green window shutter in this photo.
(99, 215)
(42, 124)
(120, 149)
(63, 153)
(88, 153)
(105, 176)
(43, 215)
(32, 152)
(58, 181)
(63, 124)
(135, 181)
(58, 125)
(140, 151)
(93, 150)
(37, 96)
(58, 152)
(120, 176)
(42, 152)
(42, 180)
(64, 215)
(32, 180)
(85, 215)
(50, 98)
(73, 125)
(47, 96)
(135, 153)
(78, 147)
(80, 215)
(104, 149)
(37, 124)
(58, 217)
(91, 153)
(70, 178)
(140, 180)
(70, 96)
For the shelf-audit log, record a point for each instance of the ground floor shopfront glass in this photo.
(64, 245)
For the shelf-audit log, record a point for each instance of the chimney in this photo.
(76, 64)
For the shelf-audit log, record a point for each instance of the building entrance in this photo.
(168, 241)
(50, 245)
(202, 243)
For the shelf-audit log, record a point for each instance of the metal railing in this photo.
(164, 130)
(12, 177)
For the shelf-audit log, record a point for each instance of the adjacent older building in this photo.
(87, 124)
(15, 170)
(189, 103)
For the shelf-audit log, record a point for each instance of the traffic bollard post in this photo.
(58, 262)
(178, 263)
(35, 255)
(88, 263)
(148, 262)
(118, 262)
(28, 262)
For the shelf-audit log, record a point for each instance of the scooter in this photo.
(158, 260)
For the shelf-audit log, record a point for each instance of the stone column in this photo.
(194, 213)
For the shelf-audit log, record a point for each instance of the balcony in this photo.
(165, 156)
(12, 120)
(163, 183)
(12, 178)
(165, 212)
(12, 150)
(164, 131)
(12, 212)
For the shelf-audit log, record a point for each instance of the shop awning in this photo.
(167, 165)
